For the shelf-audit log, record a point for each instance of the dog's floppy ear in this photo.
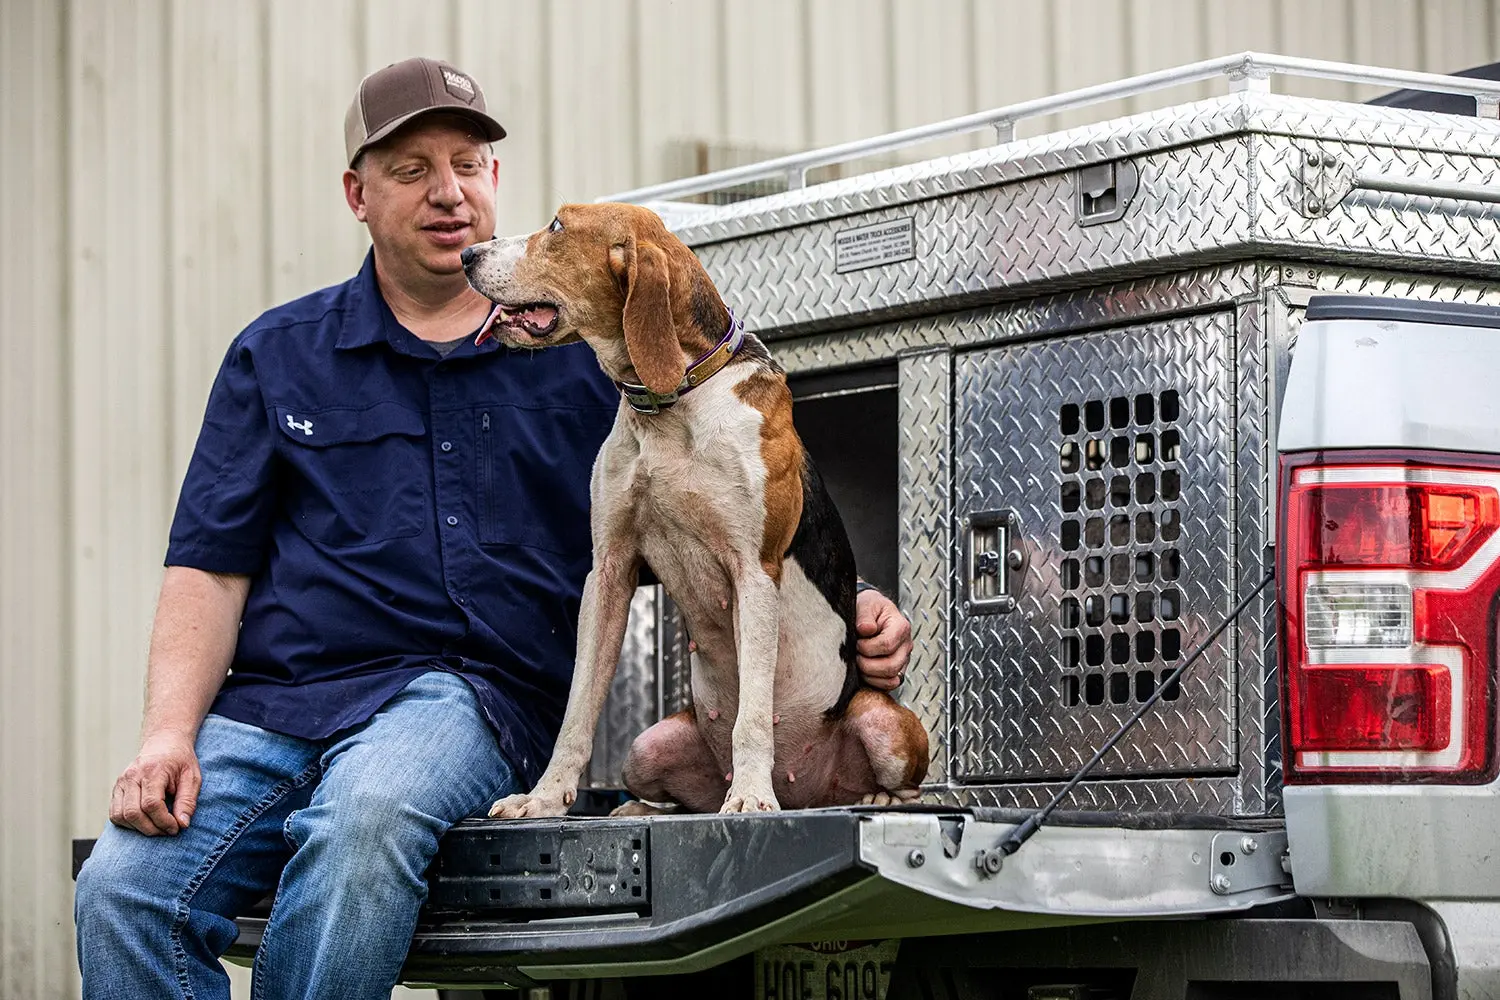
(651, 334)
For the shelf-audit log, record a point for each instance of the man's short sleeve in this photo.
(223, 520)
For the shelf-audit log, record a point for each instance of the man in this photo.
(384, 532)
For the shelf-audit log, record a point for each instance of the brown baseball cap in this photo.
(391, 97)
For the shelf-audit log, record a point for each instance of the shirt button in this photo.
(447, 445)
(452, 520)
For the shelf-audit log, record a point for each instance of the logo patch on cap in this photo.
(459, 85)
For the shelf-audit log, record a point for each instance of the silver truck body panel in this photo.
(1424, 842)
(1359, 384)
(917, 879)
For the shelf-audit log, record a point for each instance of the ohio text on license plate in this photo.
(827, 970)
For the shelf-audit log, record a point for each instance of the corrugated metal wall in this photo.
(168, 168)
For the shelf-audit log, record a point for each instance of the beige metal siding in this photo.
(170, 168)
(312, 65)
(508, 47)
(764, 68)
(35, 682)
(117, 203)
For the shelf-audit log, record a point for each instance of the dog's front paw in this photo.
(533, 803)
(749, 800)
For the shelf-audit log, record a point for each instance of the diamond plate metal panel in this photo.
(1253, 637)
(1217, 181)
(925, 399)
(1372, 227)
(1107, 304)
(1408, 286)
(1306, 280)
(632, 705)
(1180, 125)
(1214, 796)
(676, 664)
(1189, 201)
(1152, 540)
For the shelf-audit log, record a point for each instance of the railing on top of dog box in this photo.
(1246, 71)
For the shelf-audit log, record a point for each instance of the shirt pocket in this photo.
(534, 467)
(361, 474)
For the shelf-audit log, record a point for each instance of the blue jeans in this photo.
(342, 828)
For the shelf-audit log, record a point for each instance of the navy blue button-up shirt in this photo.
(397, 512)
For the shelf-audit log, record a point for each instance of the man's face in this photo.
(426, 193)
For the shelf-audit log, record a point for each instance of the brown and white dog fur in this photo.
(717, 496)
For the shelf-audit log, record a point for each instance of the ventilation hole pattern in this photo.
(1121, 483)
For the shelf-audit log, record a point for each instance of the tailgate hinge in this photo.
(1245, 861)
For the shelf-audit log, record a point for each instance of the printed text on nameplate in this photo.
(888, 242)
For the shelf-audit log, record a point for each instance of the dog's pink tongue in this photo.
(489, 325)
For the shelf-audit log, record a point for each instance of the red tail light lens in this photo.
(1373, 708)
(1390, 568)
(1392, 525)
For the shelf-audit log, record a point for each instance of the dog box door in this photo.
(1093, 521)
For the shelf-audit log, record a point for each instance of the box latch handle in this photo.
(993, 561)
(1105, 191)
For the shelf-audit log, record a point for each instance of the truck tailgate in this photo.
(541, 899)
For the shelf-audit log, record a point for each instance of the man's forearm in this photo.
(192, 644)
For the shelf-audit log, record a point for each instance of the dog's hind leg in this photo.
(895, 743)
(671, 763)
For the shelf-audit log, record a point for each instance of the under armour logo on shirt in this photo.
(305, 427)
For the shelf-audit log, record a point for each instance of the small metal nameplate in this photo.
(888, 242)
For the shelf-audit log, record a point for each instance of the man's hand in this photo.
(884, 640)
(192, 642)
(158, 792)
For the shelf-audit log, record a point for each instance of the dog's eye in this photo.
(556, 226)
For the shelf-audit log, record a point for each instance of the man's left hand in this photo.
(883, 646)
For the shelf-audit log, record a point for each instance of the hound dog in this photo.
(704, 479)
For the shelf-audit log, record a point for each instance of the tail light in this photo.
(1389, 572)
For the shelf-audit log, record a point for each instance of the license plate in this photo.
(825, 970)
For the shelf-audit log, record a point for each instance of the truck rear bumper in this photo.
(534, 900)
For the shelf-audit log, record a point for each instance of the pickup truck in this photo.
(1107, 383)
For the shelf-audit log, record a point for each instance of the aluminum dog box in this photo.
(1041, 380)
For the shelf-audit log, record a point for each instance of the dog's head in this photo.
(611, 275)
